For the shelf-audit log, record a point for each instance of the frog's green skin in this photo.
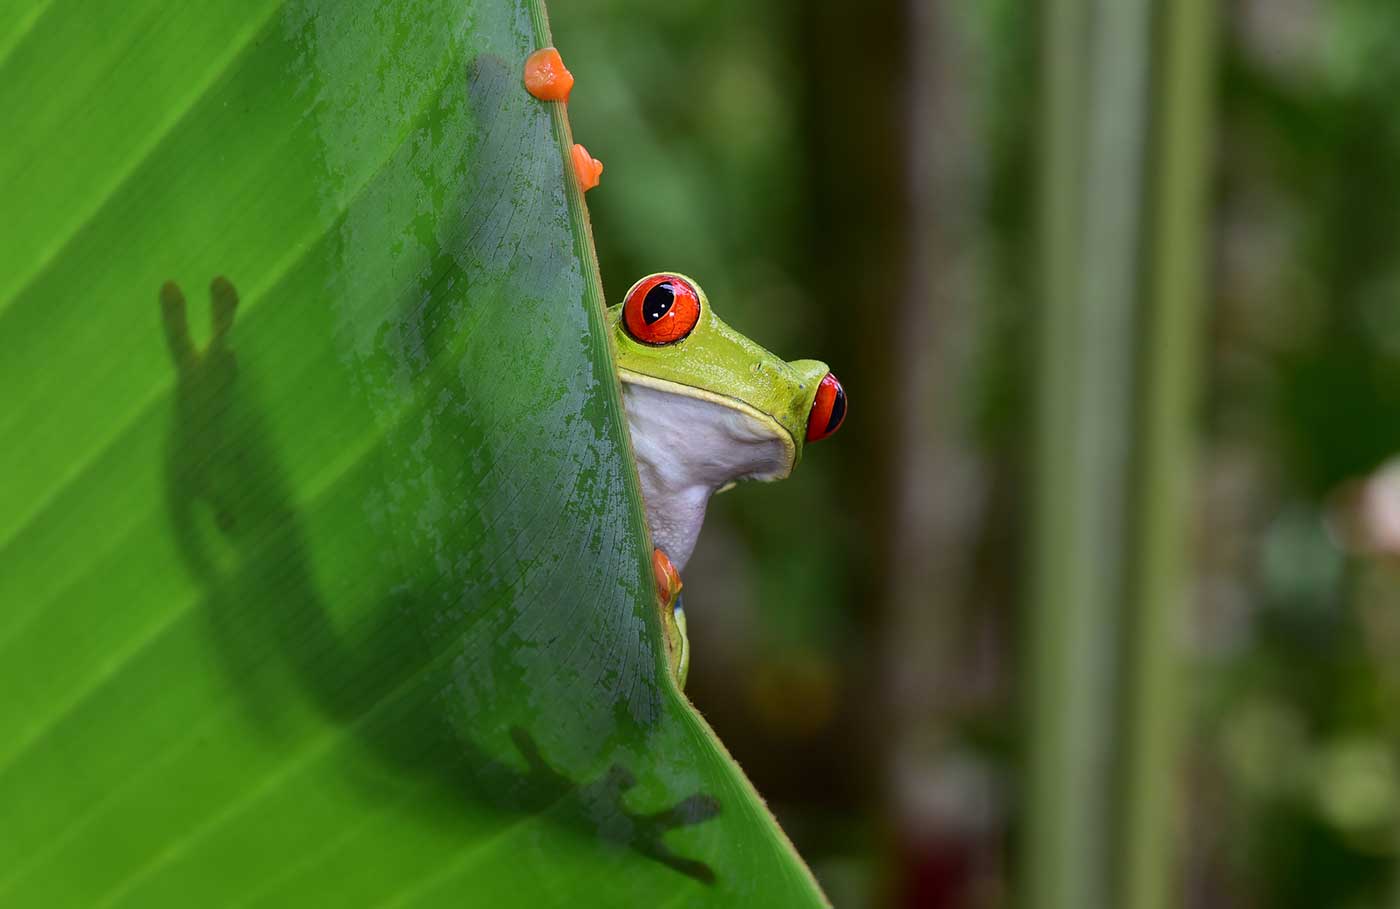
(706, 412)
(675, 630)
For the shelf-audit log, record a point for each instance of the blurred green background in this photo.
(868, 185)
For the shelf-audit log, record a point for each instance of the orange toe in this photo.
(668, 579)
(546, 77)
(587, 167)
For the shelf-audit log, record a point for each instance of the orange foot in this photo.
(668, 595)
(668, 579)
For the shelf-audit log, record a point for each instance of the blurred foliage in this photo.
(721, 133)
(1301, 715)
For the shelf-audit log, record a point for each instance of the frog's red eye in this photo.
(828, 410)
(661, 309)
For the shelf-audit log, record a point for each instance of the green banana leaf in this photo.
(323, 577)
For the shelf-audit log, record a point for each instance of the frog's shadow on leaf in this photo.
(262, 598)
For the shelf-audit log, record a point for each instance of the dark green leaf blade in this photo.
(322, 568)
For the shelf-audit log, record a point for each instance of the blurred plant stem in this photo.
(1121, 284)
(938, 795)
(1168, 348)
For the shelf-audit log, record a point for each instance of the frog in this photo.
(707, 408)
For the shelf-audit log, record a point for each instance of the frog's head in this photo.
(707, 407)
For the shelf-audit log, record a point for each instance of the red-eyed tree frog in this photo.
(707, 408)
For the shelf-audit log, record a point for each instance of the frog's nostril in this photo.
(828, 410)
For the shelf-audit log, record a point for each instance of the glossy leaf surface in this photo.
(323, 578)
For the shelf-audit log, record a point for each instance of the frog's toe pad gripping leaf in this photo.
(587, 168)
(546, 77)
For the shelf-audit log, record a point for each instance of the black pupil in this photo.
(838, 410)
(658, 302)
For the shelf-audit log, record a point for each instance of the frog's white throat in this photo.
(691, 444)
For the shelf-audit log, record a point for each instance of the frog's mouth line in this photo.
(689, 391)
